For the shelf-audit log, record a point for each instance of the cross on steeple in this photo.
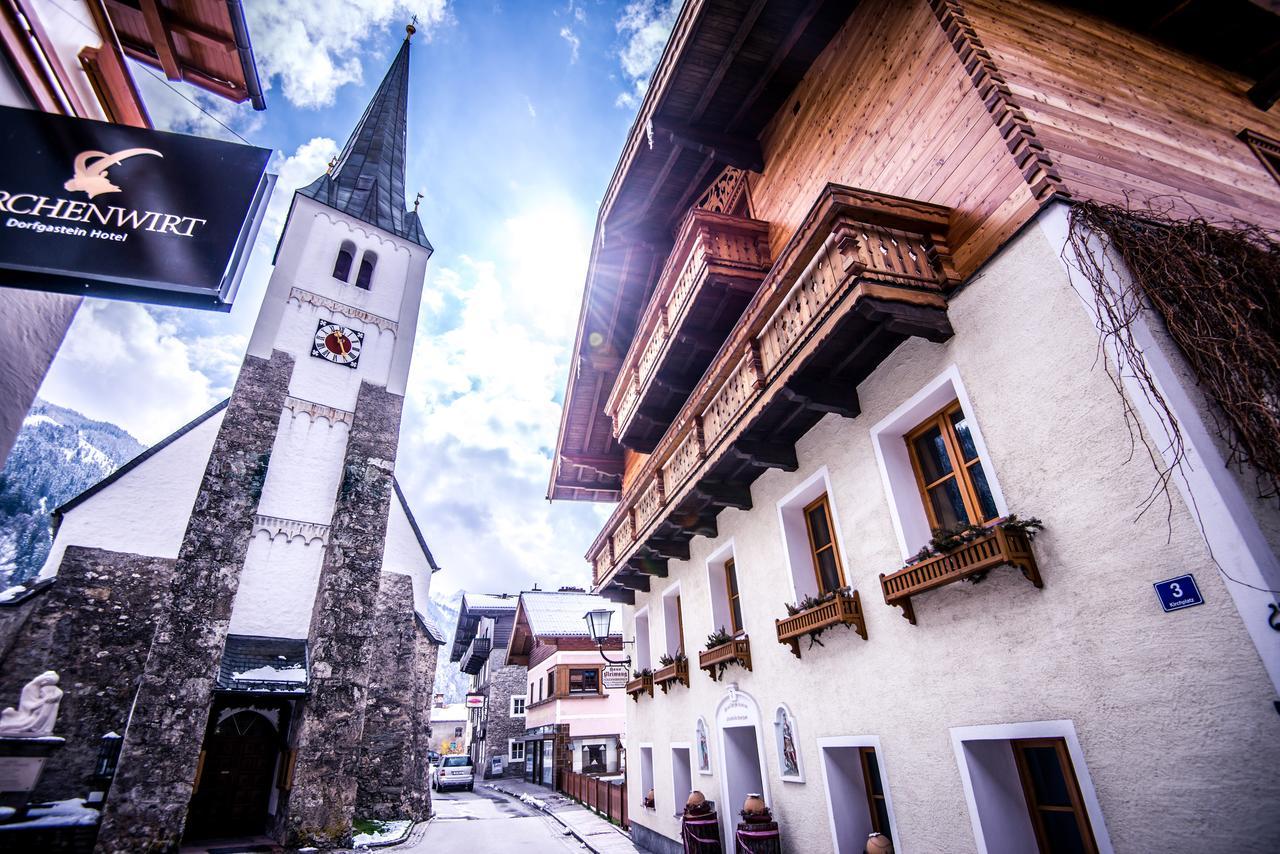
(416, 202)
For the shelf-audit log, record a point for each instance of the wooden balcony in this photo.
(844, 610)
(476, 655)
(713, 271)
(641, 685)
(736, 651)
(862, 274)
(667, 676)
(1001, 547)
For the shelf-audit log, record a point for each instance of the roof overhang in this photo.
(722, 77)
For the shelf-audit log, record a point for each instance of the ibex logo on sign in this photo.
(91, 170)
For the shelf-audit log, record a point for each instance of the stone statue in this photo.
(37, 709)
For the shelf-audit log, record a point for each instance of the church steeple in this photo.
(367, 181)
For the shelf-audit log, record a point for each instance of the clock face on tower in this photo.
(337, 344)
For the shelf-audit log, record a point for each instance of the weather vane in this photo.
(333, 161)
(416, 202)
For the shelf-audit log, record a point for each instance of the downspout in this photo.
(240, 31)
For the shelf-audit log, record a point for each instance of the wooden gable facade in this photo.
(886, 151)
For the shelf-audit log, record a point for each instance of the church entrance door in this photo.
(235, 784)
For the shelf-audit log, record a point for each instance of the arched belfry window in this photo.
(342, 264)
(364, 279)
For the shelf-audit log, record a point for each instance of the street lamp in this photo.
(598, 627)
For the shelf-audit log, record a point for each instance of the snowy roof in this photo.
(489, 601)
(260, 664)
(451, 712)
(561, 614)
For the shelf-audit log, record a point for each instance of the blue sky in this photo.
(518, 113)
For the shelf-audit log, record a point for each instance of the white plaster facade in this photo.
(1169, 716)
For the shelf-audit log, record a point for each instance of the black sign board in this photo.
(115, 211)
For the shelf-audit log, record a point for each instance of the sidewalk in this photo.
(593, 831)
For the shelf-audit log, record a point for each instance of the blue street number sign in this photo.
(1178, 593)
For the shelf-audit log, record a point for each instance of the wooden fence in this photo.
(608, 799)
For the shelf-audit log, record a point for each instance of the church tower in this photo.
(284, 587)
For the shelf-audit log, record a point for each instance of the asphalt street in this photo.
(486, 822)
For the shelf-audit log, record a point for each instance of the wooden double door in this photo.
(240, 758)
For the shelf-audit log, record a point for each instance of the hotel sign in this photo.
(121, 212)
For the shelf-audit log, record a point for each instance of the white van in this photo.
(453, 772)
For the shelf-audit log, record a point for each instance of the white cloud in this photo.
(309, 47)
(492, 351)
(120, 363)
(574, 43)
(645, 26)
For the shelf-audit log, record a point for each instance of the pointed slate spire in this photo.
(367, 181)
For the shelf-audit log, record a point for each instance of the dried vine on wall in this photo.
(1216, 288)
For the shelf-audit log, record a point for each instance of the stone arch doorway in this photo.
(241, 753)
(742, 763)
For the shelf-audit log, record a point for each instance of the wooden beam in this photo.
(726, 59)
(705, 526)
(161, 39)
(618, 594)
(648, 566)
(671, 549)
(766, 454)
(906, 319)
(1266, 91)
(633, 581)
(831, 396)
(190, 74)
(189, 30)
(801, 24)
(740, 151)
(725, 494)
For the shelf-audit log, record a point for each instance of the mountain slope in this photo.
(58, 454)
(450, 681)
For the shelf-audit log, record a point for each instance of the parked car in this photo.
(453, 772)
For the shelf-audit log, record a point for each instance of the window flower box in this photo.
(1007, 543)
(676, 671)
(718, 658)
(642, 684)
(842, 608)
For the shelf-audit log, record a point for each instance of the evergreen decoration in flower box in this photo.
(675, 668)
(641, 684)
(813, 615)
(966, 552)
(723, 649)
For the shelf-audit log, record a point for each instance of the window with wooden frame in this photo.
(551, 684)
(822, 545)
(594, 759)
(873, 785)
(1265, 149)
(949, 471)
(731, 590)
(584, 680)
(1053, 796)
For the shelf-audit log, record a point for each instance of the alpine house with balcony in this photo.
(928, 356)
(480, 650)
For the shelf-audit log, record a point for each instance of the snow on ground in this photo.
(33, 420)
(388, 831)
(533, 802)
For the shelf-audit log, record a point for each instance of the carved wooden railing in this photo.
(853, 244)
(476, 655)
(844, 610)
(667, 676)
(642, 684)
(736, 651)
(1001, 547)
(708, 246)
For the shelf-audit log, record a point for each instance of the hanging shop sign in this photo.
(475, 701)
(121, 212)
(616, 676)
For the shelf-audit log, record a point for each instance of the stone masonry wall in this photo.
(147, 808)
(390, 785)
(323, 800)
(505, 681)
(93, 627)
